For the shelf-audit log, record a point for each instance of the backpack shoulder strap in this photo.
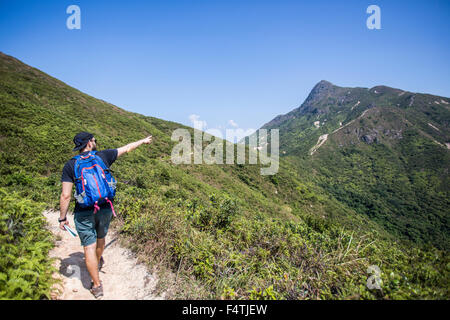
(75, 157)
(92, 154)
(100, 160)
(79, 157)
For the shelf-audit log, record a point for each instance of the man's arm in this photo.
(131, 146)
(64, 202)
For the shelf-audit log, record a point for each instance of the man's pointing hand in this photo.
(147, 140)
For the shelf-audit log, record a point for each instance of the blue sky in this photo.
(245, 61)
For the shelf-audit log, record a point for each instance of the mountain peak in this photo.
(322, 86)
(320, 91)
(324, 83)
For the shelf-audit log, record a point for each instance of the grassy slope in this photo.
(225, 231)
(400, 180)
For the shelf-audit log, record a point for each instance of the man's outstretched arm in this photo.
(131, 146)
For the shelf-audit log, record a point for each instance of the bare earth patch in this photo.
(322, 139)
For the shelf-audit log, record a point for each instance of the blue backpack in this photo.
(93, 181)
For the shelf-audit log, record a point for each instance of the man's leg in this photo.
(90, 255)
(85, 225)
(100, 248)
(102, 220)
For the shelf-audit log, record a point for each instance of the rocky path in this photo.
(122, 276)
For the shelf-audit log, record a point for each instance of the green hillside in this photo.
(386, 155)
(211, 231)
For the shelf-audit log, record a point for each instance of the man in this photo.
(92, 228)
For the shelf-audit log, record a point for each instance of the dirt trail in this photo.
(323, 138)
(347, 124)
(122, 276)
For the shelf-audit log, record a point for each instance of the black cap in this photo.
(81, 140)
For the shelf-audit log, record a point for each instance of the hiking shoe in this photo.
(92, 284)
(97, 292)
(101, 263)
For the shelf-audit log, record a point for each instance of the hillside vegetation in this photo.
(386, 155)
(212, 231)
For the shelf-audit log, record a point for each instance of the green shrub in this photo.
(25, 269)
